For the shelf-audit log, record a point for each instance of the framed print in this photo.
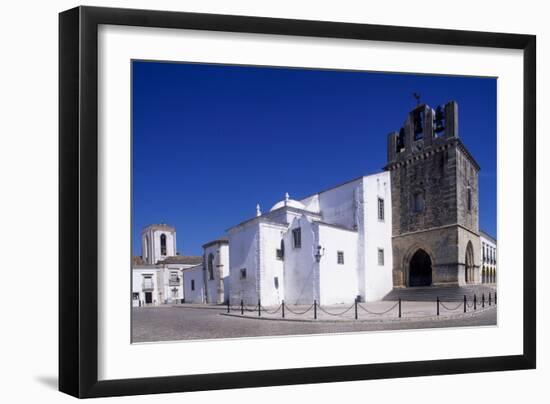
(250, 201)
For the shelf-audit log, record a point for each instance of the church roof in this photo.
(221, 240)
(137, 260)
(290, 203)
(182, 259)
(192, 268)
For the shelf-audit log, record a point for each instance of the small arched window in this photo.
(469, 199)
(211, 266)
(163, 244)
(281, 251)
(146, 248)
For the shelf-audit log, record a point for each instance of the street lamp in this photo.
(320, 253)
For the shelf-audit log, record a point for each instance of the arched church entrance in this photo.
(420, 269)
(469, 260)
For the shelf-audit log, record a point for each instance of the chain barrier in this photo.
(379, 313)
(259, 308)
(272, 312)
(337, 314)
(460, 305)
(298, 313)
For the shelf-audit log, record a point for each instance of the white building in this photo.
(161, 276)
(157, 274)
(208, 282)
(332, 247)
(488, 258)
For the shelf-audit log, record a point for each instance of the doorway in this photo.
(420, 271)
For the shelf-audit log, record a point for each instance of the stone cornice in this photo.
(430, 152)
(437, 228)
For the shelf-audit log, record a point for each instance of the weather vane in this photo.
(417, 98)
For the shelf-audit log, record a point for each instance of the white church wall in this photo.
(271, 269)
(312, 203)
(216, 288)
(300, 267)
(338, 281)
(378, 233)
(338, 204)
(193, 284)
(244, 255)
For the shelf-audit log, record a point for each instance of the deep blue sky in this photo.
(211, 141)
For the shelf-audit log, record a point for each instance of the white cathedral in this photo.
(337, 245)
(333, 247)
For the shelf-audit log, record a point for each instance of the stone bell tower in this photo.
(434, 181)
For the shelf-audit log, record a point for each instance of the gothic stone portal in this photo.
(420, 269)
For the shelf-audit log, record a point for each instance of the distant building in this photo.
(157, 273)
(161, 276)
(208, 282)
(488, 258)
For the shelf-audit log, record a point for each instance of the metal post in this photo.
(438, 305)
(464, 303)
(228, 307)
(259, 308)
(495, 298)
(356, 308)
(483, 300)
(283, 308)
(475, 302)
(242, 307)
(315, 309)
(399, 307)
(489, 298)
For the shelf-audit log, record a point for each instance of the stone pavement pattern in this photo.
(150, 324)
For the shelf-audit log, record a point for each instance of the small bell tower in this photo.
(158, 241)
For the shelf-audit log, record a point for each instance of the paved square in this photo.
(167, 323)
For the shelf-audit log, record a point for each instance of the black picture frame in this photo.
(78, 201)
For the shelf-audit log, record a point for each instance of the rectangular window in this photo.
(276, 282)
(243, 273)
(148, 282)
(297, 237)
(279, 254)
(340, 257)
(418, 202)
(380, 209)
(469, 200)
(380, 256)
(192, 284)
